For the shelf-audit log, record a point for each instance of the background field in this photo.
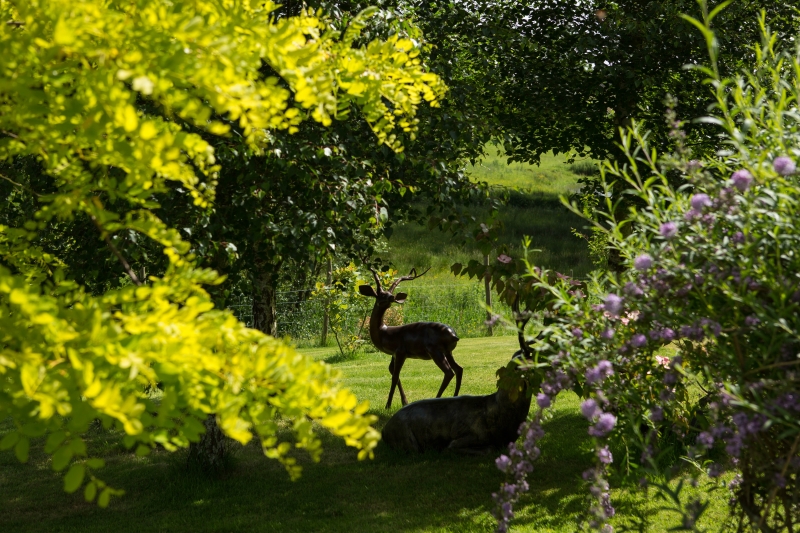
(534, 209)
(434, 492)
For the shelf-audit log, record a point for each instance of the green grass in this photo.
(534, 210)
(553, 175)
(434, 492)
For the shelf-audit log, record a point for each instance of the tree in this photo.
(565, 76)
(74, 72)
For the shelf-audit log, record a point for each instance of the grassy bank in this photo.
(533, 209)
(435, 492)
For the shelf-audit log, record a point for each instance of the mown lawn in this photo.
(435, 492)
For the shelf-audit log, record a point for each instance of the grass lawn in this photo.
(435, 492)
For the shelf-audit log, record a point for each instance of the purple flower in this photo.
(668, 230)
(604, 454)
(632, 289)
(607, 334)
(715, 470)
(492, 321)
(638, 340)
(742, 179)
(604, 425)
(699, 201)
(603, 369)
(734, 445)
(784, 166)
(668, 334)
(738, 237)
(705, 439)
(694, 165)
(543, 400)
(691, 214)
(503, 463)
(613, 304)
(643, 262)
(589, 408)
(656, 414)
(751, 321)
(577, 332)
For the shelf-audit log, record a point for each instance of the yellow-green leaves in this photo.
(102, 93)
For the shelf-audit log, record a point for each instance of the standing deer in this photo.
(419, 340)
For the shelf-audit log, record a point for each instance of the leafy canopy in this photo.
(74, 77)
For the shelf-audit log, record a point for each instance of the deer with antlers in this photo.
(470, 424)
(419, 340)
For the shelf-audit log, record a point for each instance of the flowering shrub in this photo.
(714, 271)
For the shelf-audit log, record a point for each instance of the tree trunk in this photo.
(265, 316)
(209, 454)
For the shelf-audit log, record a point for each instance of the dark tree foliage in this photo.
(565, 76)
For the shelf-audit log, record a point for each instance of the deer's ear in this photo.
(400, 297)
(367, 290)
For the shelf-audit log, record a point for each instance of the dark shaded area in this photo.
(394, 492)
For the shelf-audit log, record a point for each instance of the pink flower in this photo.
(503, 258)
(663, 361)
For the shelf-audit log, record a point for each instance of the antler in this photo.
(411, 275)
(377, 278)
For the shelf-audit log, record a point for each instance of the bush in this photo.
(713, 272)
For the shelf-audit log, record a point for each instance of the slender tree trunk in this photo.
(209, 454)
(488, 293)
(265, 281)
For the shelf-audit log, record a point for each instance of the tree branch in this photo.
(21, 186)
(116, 252)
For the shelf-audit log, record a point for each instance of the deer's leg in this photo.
(398, 361)
(399, 385)
(441, 361)
(457, 369)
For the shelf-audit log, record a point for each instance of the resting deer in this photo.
(467, 423)
(419, 340)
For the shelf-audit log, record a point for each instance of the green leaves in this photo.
(74, 478)
(116, 101)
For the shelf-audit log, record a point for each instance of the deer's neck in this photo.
(376, 326)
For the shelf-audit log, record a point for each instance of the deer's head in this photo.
(386, 297)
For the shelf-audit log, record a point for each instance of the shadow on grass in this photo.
(394, 492)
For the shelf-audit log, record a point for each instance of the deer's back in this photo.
(433, 424)
(419, 337)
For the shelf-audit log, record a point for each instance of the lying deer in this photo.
(465, 423)
(419, 340)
